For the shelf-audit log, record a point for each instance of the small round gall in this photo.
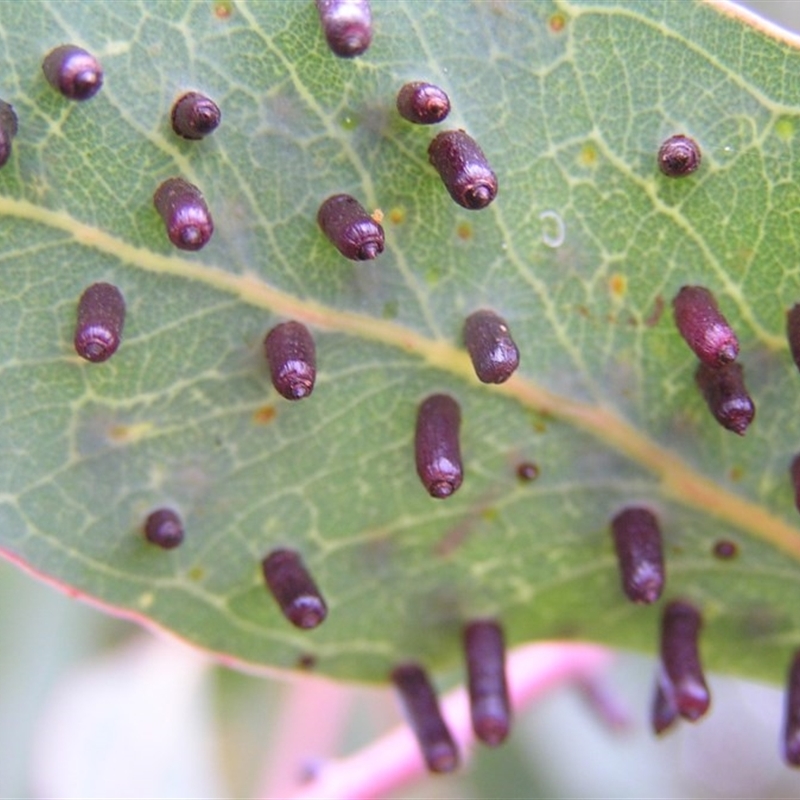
(185, 214)
(436, 445)
(294, 590)
(194, 116)
(291, 355)
(422, 103)
(347, 25)
(101, 316)
(73, 72)
(678, 156)
(463, 168)
(354, 233)
(164, 528)
(494, 354)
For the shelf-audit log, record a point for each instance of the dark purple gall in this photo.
(705, 330)
(436, 445)
(637, 539)
(724, 549)
(463, 168)
(291, 355)
(194, 116)
(793, 332)
(423, 103)
(490, 708)
(164, 528)
(101, 317)
(678, 156)
(794, 471)
(185, 214)
(8, 130)
(73, 72)
(347, 25)
(680, 627)
(425, 718)
(527, 471)
(726, 395)
(494, 354)
(791, 723)
(664, 712)
(293, 589)
(353, 232)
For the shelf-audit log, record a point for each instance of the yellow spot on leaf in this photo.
(588, 155)
(397, 215)
(618, 284)
(129, 434)
(557, 22)
(784, 127)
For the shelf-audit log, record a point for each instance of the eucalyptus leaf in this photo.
(581, 253)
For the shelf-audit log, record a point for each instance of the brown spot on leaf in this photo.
(264, 415)
(223, 9)
(557, 22)
(464, 231)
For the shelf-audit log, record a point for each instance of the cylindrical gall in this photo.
(436, 445)
(423, 103)
(347, 25)
(101, 317)
(185, 214)
(484, 647)
(291, 356)
(351, 230)
(463, 168)
(794, 472)
(73, 72)
(663, 712)
(194, 115)
(701, 324)
(680, 628)
(294, 589)
(791, 722)
(425, 718)
(793, 332)
(678, 156)
(494, 354)
(637, 540)
(8, 130)
(726, 396)
(164, 528)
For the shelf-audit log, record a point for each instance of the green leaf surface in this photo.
(582, 252)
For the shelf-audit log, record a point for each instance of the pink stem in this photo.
(394, 760)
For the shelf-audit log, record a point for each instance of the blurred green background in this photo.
(91, 706)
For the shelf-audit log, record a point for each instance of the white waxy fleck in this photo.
(554, 231)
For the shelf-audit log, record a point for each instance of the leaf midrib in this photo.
(678, 480)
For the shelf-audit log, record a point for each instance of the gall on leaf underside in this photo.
(604, 402)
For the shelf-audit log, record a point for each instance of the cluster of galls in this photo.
(290, 352)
